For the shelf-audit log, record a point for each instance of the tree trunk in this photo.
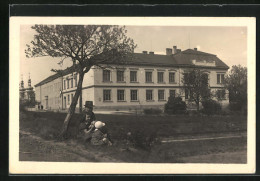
(198, 106)
(72, 106)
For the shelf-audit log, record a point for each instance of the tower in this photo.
(22, 83)
(29, 81)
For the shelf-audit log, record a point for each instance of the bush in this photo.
(235, 106)
(211, 107)
(175, 105)
(152, 111)
(141, 139)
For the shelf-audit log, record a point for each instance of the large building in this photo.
(147, 80)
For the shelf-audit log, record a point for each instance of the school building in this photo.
(147, 80)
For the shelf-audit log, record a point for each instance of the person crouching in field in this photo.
(100, 135)
(87, 123)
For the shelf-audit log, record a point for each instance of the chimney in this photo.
(178, 50)
(195, 49)
(144, 52)
(151, 53)
(174, 50)
(168, 51)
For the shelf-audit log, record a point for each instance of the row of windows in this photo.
(221, 94)
(134, 95)
(69, 82)
(68, 99)
(149, 76)
(133, 76)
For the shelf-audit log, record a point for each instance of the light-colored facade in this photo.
(49, 94)
(130, 86)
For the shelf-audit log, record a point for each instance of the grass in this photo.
(48, 124)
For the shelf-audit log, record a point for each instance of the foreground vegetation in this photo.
(146, 131)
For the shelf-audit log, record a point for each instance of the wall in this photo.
(141, 86)
(50, 90)
(86, 92)
(38, 93)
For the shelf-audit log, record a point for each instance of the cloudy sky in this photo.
(228, 43)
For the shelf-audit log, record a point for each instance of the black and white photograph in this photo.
(132, 95)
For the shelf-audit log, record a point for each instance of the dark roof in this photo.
(55, 76)
(181, 59)
(186, 57)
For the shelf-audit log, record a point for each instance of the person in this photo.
(86, 126)
(100, 135)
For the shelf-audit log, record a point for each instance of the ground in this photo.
(159, 139)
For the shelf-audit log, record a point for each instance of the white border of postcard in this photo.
(33, 167)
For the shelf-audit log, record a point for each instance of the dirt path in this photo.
(37, 149)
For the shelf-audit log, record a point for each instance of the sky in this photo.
(228, 43)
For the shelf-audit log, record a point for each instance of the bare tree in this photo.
(85, 46)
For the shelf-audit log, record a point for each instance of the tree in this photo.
(85, 46)
(195, 85)
(236, 83)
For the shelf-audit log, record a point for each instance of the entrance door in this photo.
(46, 101)
(65, 103)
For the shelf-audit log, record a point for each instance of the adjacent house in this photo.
(146, 80)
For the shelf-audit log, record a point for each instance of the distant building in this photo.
(26, 94)
(145, 81)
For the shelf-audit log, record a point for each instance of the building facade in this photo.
(147, 80)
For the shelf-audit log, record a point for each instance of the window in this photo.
(133, 76)
(68, 99)
(64, 84)
(107, 95)
(172, 93)
(148, 76)
(71, 82)
(161, 95)
(206, 78)
(220, 78)
(149, 95)
(106, 75)
(160, 77)
(76, 80)
(172, 77)
(65, 104)
(68, 83)
(133, 95)
(221, 94)
(71, 97)
(186, 94)
(120, 95)
(120, 75)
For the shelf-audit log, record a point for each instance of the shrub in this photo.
(210, 107)
(175, 105)
(235, 106)
(152, 111)
(141, 139)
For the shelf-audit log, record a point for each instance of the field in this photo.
(159, 138)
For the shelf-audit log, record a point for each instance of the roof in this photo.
(181, 59)
(186, 57)
(55, 76)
